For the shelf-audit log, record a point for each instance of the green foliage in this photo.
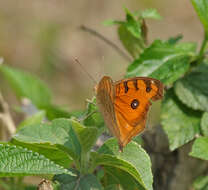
(180, 123)
(34, 119)
(199, 148)
(133, 32)
(201, 183)
(66, 142)
(87, 136)
(133, 160)
(54, 111)
(68, 134)
(20, 161)
(115, 176)
(132, 25)
(164, 61)
(27, 86)
(150, 13)
(204, 124)
(85, 182)
(52, 152)
(201, 7)
(93, 117)
(192, 89)
(130, 34)
(175, 39)
(131, 43)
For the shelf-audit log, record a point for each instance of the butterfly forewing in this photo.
(105, 97)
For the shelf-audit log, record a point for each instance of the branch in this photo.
(107, 41)
(5, 116)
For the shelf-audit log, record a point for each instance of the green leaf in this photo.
(67, 181)
(86, 182)
(112, 22)
(199, 148)
(132, 160)
(174, 40)
(27, 85)
(180, 123)
(201, 7)
(204, 124)
(192, 89)
(93, 116)
(132, 44)
(164, 61)
(62, 179)
(60, 132)
(54, 111)
(150, 13)
(34, 119)
(132, 25)
(131, 34)
(18, 161)
(201, 183)
(113, 187)
(117, 176)
(87, 135)
(52, 152)
(138, 139)
(100, 174)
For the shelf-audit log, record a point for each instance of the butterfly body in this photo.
(124, 104)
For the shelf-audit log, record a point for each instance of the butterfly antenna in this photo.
(90, 76)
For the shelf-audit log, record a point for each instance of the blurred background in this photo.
(44, 36)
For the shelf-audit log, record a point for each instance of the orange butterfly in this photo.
(124, 105)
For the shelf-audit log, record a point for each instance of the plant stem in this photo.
(202, 49)
(84, 163)
(107, 41)
(77, 164)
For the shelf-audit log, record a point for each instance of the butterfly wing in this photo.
(105, 96)
(131, 104)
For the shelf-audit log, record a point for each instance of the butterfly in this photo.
(124, 105)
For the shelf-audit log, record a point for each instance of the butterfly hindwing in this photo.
(132, 101)
(124, 105)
